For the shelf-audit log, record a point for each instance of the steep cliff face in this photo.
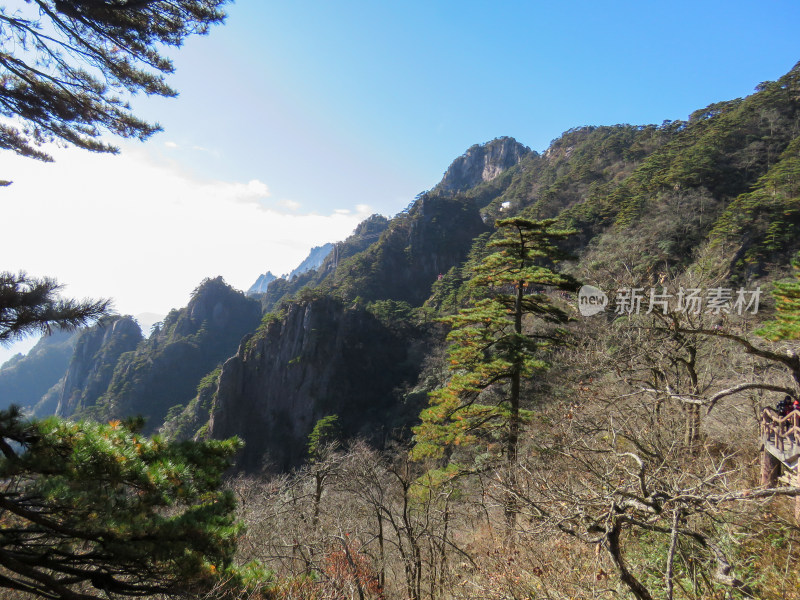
(165, 369)
(320, 358)
(481, 163)
(96, 354)
(434, 235)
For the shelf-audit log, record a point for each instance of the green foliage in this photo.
(326, 431)
(769, 214)
(447, 293)
(30, 305)
(396, 315)
(786, 325)
(270, 319)
(100, 507)
(186, 422)
(489, 346)
(66, 67)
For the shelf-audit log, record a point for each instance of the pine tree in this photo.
(786, 325)
(31, 305)
(96, 511)
(90, 510)
(67, 66)
(491, 346)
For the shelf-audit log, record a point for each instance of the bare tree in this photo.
(617, 474)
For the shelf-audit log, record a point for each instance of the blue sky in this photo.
(328, 102)
(297, 119)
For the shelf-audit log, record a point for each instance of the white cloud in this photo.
(289, 204)
(170, 144)
(146, 233)
(202, 149)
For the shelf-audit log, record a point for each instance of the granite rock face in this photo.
(165, 369)
(321, 358)
(314, 260)
(96, 354)
(482, 162)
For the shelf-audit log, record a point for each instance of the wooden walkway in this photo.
(781, 437)
(780, 451)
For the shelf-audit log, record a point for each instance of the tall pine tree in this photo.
(492, 345)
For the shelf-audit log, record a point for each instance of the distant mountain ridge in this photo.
(25, 379)
(313, 261)
(261, 284)
(315, 258)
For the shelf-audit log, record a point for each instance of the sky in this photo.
(296, 120)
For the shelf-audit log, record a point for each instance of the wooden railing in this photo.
(779, 431)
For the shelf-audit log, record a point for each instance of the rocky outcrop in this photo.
(164, 370)
(96, 354)
(320, 359)
(366, 233)
(316, 257)
(433, 236)
(482, 162)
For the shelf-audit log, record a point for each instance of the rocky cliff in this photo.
(165, 369)
(320, 358)
(96, 353)
(482, 163)
(434, 235)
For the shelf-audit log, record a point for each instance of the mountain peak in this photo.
(482, 162)
(260, 286)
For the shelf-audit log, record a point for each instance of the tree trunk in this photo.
(770, 469)
(692, 438)
(797, 499)
(628, 578)
(511, 508)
